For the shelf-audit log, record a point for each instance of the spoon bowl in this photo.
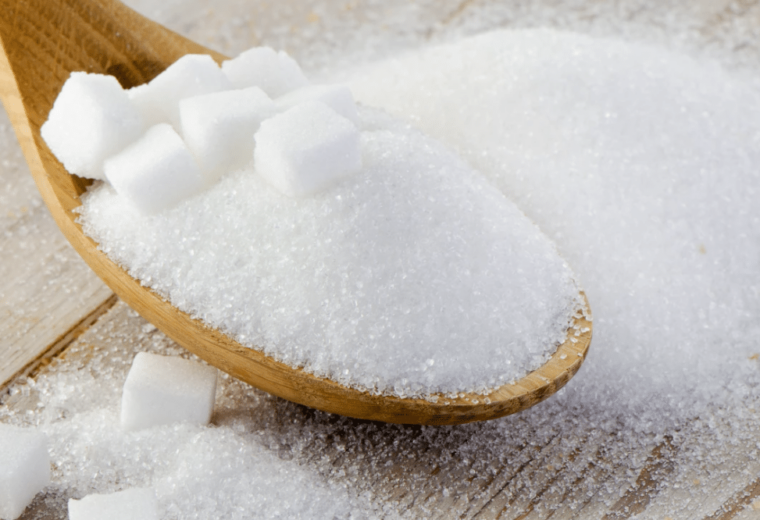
(41, 43)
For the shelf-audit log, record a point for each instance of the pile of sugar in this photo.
(644, 167)
(411, 277)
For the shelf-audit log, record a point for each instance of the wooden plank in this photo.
(743, 504)
(46, 290)
(659, 466)
(716, 471)
(570, 482)
(526, 485)
(61, 343)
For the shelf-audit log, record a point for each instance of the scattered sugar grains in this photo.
(412, 276)
(226, 470)
(643, 166)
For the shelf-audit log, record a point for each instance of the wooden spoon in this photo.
(42, 42)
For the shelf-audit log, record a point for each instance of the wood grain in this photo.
(46, 290)
(43, 41)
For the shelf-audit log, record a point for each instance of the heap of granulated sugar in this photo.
(413, 276)
(644, 167)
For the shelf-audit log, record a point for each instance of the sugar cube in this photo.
(275, 72)
(306, 149)
(130, 504)
(218, 128)
(164, 390)
(24, 468)
(91, 119)
(191, 75)
(156, 172)
(337, 97)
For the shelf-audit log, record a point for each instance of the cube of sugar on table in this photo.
(191, 75)
(275, 73)
(91, 119)
(130, 504)
(337, 97)
(24, 468)
(306, 149)
(218, 128)
(156, 172)
(164, 390)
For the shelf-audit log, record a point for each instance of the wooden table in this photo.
(51, 303)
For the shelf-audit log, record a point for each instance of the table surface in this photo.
(51, 303)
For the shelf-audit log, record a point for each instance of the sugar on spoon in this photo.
(42, 42)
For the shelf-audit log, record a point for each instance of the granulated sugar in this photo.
(410, 277)
(197, 472)
(643, 166)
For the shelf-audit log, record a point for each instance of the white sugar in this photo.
(155, 172)
(24, 468)
(642, 165)
(92, 118)
(307, 149)
(337, 97)
(191, 75)
(274, 72)
(218, 128)
(165, 390)
(130, 504)
(412, 276)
